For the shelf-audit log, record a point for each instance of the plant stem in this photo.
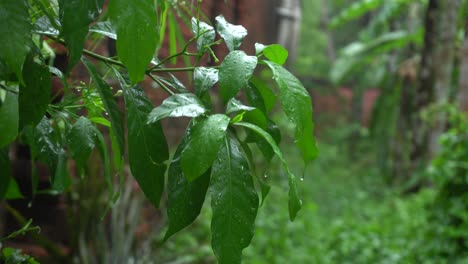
(164, 87)
(8, 89)
(50, 246)
(103, 58)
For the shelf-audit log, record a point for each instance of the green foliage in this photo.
(215, 156)
(235, 72)
(135, 24)
(9, 118)
(147, 147)
(14, 256)
(450, 174)
(234, 203)
(16, 24)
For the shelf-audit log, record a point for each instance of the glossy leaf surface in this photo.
(147, 147)
(15, 24)
(233, 35)
(276, 53)
(185, 198)
(234, 202)
(206, 34)
(297, 105)
(204, 79)
(34, 96)
(135, 22)
(294, 201)
(177, 105)
(9, 119)
(203, 145)
(104, 28)
(81, 141)
(235, 72)
(235, 105)
(75, 16)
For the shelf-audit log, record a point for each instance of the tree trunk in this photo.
(434, 76)
(462, 95)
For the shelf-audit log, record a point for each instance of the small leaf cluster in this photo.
(215, 155)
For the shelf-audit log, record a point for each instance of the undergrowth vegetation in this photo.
(350, 215)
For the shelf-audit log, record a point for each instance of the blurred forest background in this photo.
(389, 84)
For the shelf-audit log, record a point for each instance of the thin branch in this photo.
(8, 89)
(182, 52)
(103, 58)
(164, 87)
(49, 245)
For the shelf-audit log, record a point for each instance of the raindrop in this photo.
(265, 175)
(106, 113)
(302, 178)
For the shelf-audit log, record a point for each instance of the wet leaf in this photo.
(294, 201)
(206, 32)
(233, 35)
(185, 198)
(235, 105)
(9, 119)
(16, 25)
(34, 96)
(234, 202)
(203, 145)
(297, 105)
(235, 72)
(177, 105)
(147, 147)
(135, 22)
(81, 141)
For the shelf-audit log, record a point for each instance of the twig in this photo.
(8, 89)
(164, 87)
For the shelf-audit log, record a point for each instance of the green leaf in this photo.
(294, 201)
(204, 79)
(205, 32)
(235, 105)
(109, 102)
(175, 83)
(185, 198)
(75, 16)
(234, 202)
(5, 168)
(101, 121)
(357, 9)
(9, 119)
(177, 105)
(203, 145)
(259, 93)
(137, 34)
(34, 96)
(276, 53)
(43, 26)
(13, 191)
(15, 24)
(264, 146)
(104, 28)
(44, 146)
(147, 147)
(235, 72)
(297, 105)
(61, 180)
(233, 35)
(81, 141)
